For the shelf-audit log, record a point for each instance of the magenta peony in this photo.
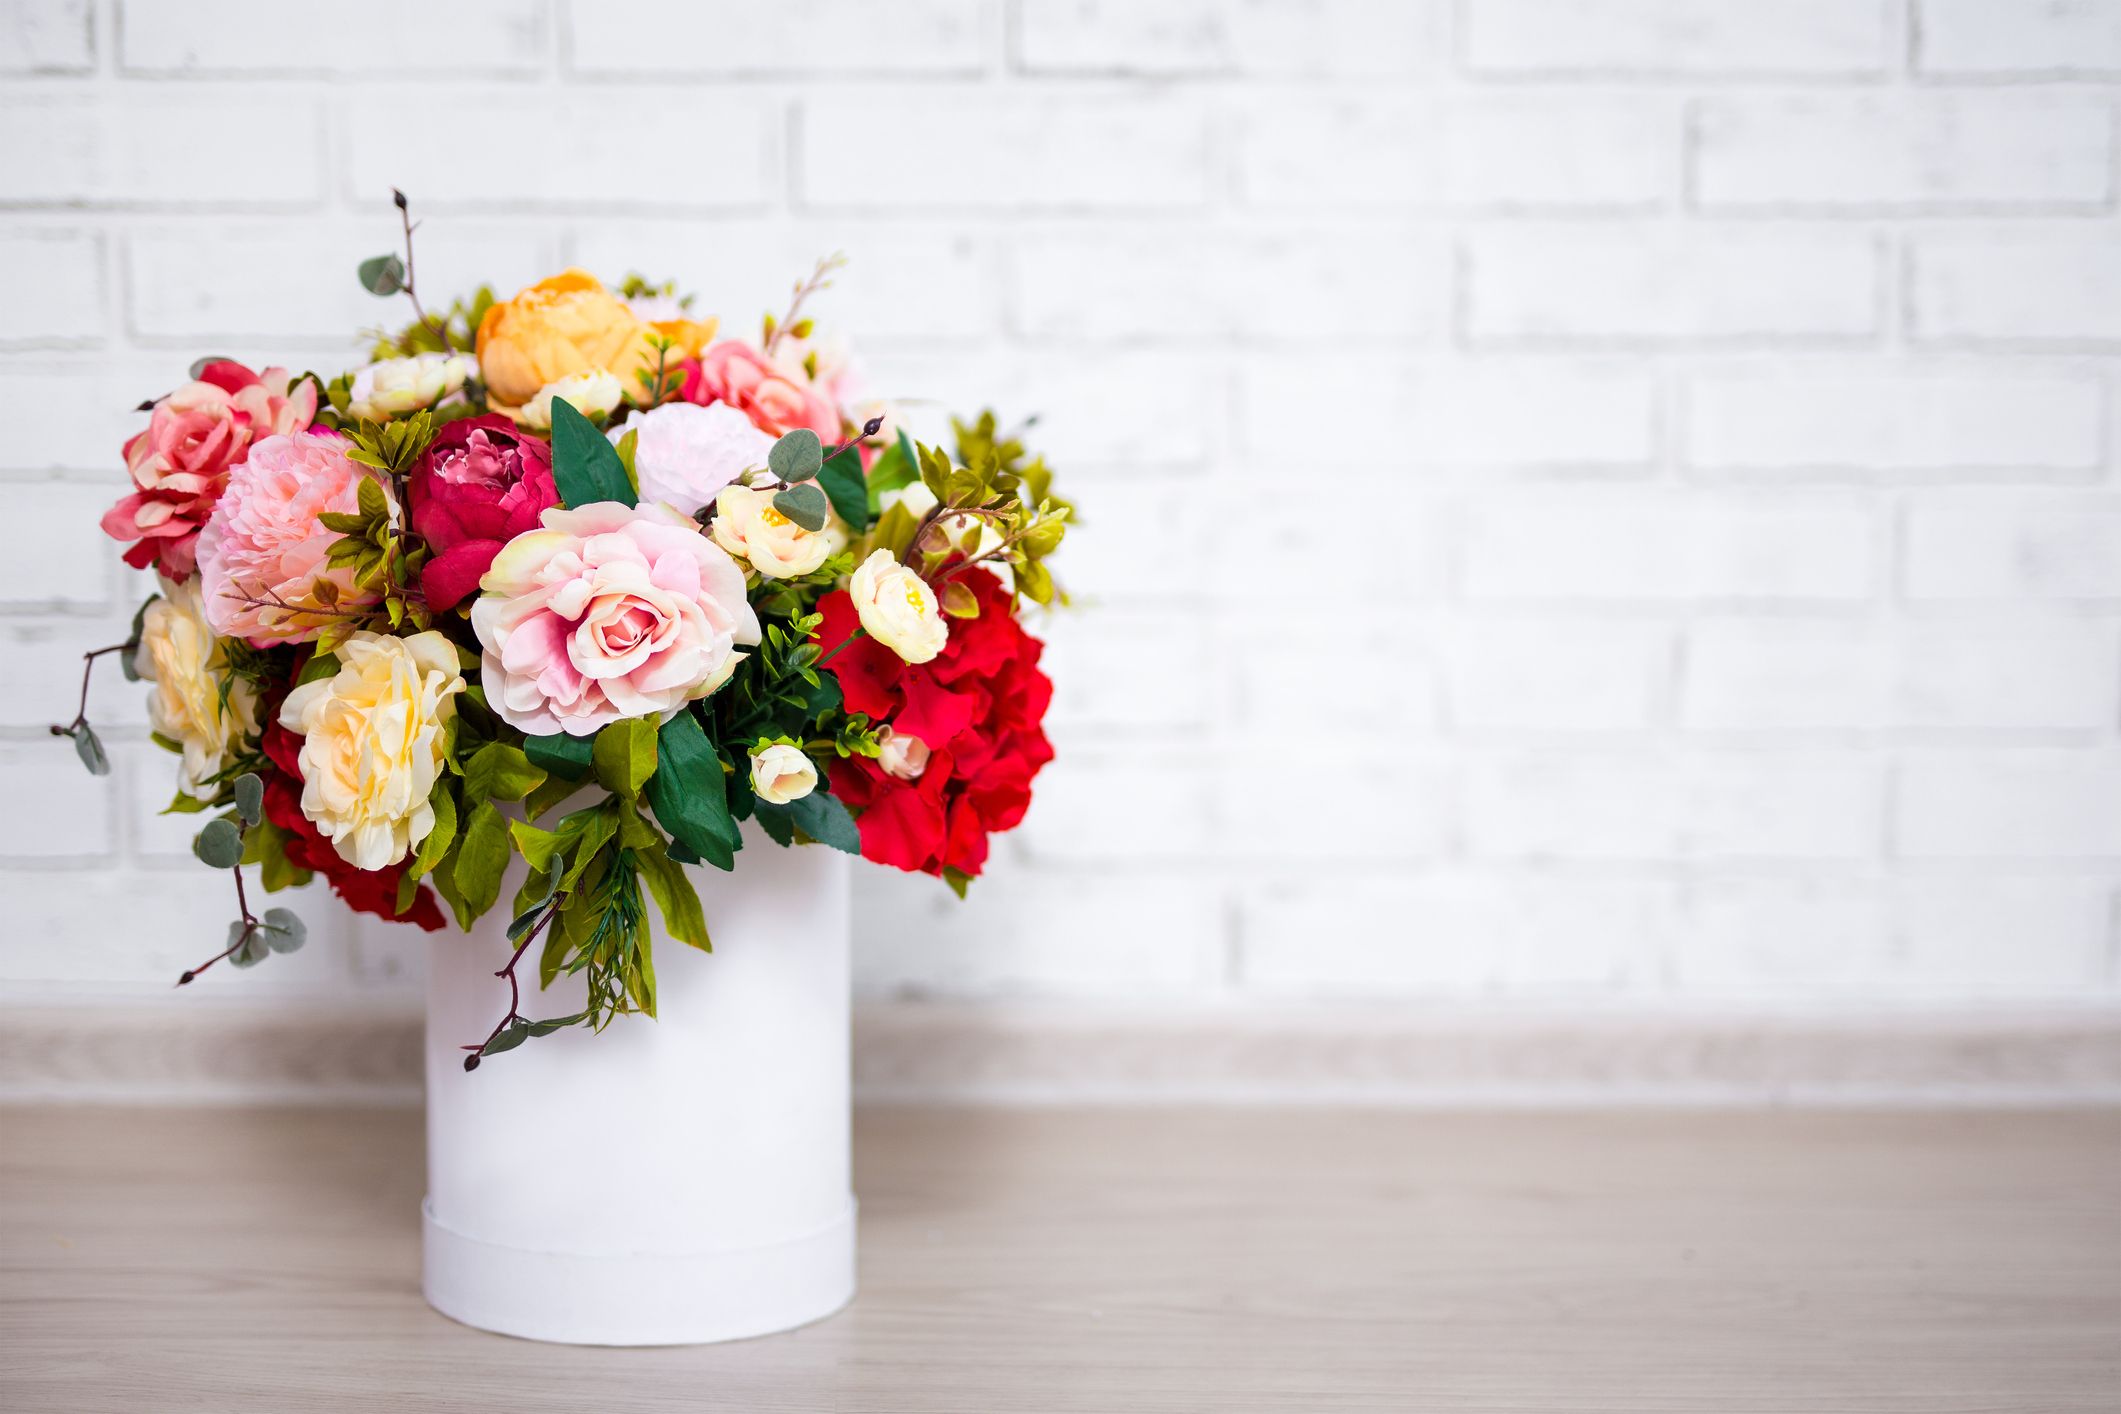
(609, 611)
(180, 463)
(481, 484)
(262, 553)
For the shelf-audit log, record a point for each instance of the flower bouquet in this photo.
(563, 597)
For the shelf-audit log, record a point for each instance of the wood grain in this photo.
(1135, 1261)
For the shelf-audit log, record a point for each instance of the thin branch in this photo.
(820, 279)
(250, 929)
(515, 991)
(88, 667)
(440, 331)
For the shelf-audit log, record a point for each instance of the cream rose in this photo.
(401, 385)
(592, 393)
(901, 755)
(198, 705)
(898, 608)
(747, 525)
(373, 736)
(781, 773)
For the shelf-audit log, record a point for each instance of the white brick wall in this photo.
(1613, 500)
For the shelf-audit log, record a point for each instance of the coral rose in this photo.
(480, 484)
(180, 463)
(198, 706)
(735, 373)
(262, 553)
(373, 740)
(609, 611)
(683, 454)
(568, 324)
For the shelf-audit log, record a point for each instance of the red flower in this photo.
(978, 706)
(480, 484)
(364, 890)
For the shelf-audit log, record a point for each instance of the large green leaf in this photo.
(675, 897)
(482, 856)
(498, 771)
(688, 793)
(825, 820)
(561, 754)
(585, 466)
(624, 756)
(898, 466)
(847, 489)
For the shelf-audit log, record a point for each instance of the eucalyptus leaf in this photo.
(283, 931)
(89, 747)
(806, 505)
(250, 797)
(219, 845)
(797, 456)
(382, 274)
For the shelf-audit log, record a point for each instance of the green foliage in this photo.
(843, 483)
(460, 322)
(796, 456)
(219, 845)
(805, 504)
(500, 771)
(382, 274)
(88, 746)
(898, 466)
(689, 793)
(675, 898)
(250, 797)
(481, 859)
(624, 755)
(586, 467)
(560, 754)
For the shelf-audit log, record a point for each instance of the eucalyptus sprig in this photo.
(220, 845)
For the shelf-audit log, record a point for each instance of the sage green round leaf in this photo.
(805, 505)
(90, 749)
(383, 274)
(797, 456)
(219, 845)
(250, 797)
(283, 930)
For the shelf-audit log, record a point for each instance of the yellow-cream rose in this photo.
(373, 738)
(898, 608)
(570, 323)
(747, 526)
(592, 393)
(198, 704)
(781, 773)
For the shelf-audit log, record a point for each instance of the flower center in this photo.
(772, 519)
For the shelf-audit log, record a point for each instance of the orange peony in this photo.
(571, 324)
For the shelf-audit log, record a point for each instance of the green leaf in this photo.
(797, 456)
(624, 756)
(562, 755)
(849, 493)
(675, 898)
(382, 274)
(89, 747)
(370, 493)
(514, 1034)
(778, 821)
(825, 820)
(806, 505)
(482, 857)
(250, 797)
(585, 466)
(957, 879)
(535, 845)
(499, 771)
(689, 795)
(282, 930)
(897, 467)
(219, 845)
(443, 802)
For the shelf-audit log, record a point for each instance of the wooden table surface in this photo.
(1136, 1260)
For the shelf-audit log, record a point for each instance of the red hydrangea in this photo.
(480, 484)
(979, 707)
(364, 890)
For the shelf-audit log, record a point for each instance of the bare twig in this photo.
(440, 331)
(88, 667)
(820, 279)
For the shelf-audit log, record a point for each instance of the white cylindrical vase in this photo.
(669, 1181)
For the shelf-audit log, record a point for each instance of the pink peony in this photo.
(610, 611)
(684, 454)
(180, 463)
(481, 484)
(262, 553)
(735, 373)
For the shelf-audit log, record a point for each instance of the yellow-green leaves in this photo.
(624, 756)
(499, 771)
(675, 898)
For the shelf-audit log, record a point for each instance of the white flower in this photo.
(401, 385)
(746, 524)
(655, 309)
(781, 773)
(898, 608)
(372, 742)
(901, 755)
(198, 704)
(592, 393)
(685, 453)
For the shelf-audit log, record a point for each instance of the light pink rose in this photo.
(733, 372)
(609, 611)
(683, 453)
(180, 463)
(262, 552)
